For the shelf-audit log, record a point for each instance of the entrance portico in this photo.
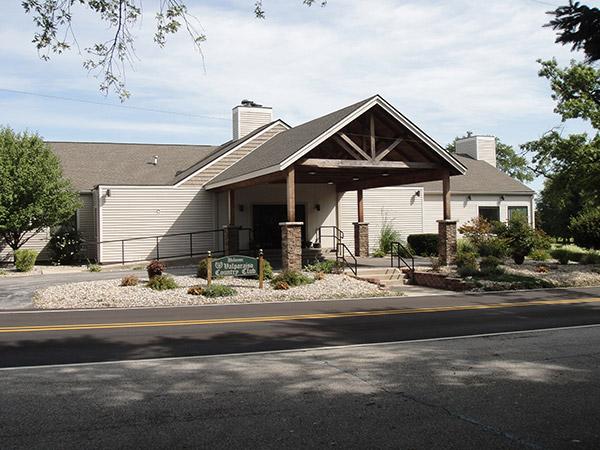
(365, 146)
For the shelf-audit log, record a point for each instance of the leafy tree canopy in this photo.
(109, 58)
(507, 160)
(33, 193)
(579, 26)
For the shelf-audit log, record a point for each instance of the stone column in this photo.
(231, 244)
(291, 245)
(361, 239)
(447, 241)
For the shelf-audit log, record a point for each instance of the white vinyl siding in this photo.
(37, 242)
(155, 211)
(400, 206)
(246, 120)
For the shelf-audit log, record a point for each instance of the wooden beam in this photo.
(291, 195)
(321, 163)
(372, 135)
(446, 195)
(360, 204)
(353, 145)
(391, 180)
(391, 147)
(231, 207)
(346, 147)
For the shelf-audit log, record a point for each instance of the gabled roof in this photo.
(88, 164)
(481, 178)
(288, 146)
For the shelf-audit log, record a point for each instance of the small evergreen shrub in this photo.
(378, 254)
(162, 283)
(539, 255)
(466, 264)
(424, 244)
(293, 278)
(585, 228)
(195, 290)
(325, 266)
(436, 263)
(281, 285)
(155, 269)
(520, 237)
(590, 258)
(65, 245)
(25, 259)
(464, 245)
(2, 272)
(202, 269)
(268, 271)
(561, 254)
(490, 265)
(130, 280)
(94, 267)
(219, 290)
(541, 241)
(494, 246)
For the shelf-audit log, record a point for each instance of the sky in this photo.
(449, 66)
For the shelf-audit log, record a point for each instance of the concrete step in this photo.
(394, 283)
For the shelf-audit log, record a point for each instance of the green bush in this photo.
(541, 241)
(387, 235)
(130, 280)
(94, 267)
(539, 255)
(219, 290)
(590, 258)
(494, 246)
(65, 245)
(490, 265)
(202, 269)
(268, 271)
(464, 245)
(378, 254)
(585, 228)
(519, 236)
(293, 278)
(424, 244)
(325, 266)
(25, 259)
(561, 254)
(162, 283)
(466, 264)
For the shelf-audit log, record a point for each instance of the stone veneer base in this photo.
(291, 245)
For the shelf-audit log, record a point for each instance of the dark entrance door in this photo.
(265, 224)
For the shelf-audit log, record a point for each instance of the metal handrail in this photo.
(338, 257)
(399, 246)
(337, 236)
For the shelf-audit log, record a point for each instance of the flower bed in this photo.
(109, 293)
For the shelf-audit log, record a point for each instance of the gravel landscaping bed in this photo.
(559, 275)
(109, 293)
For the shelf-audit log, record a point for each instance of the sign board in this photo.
(235, 266)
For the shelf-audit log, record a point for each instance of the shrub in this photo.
(2, 272)
(268, 271)
(319, 276)
(387, 235)
(195, 290)
(155, 269)
(494, 246)
(281, 285)
(561, 254)
(466, 264)
(425, 244)
(130, 280)
(542, 268)
(219, 290)
(539, 255)
(25, 259)
(541, 241)
(65, 245)
(465, 246)
(585, 228)
(378, 253)
(94, 267)
(590, 258)
(490, 265)
(293, 278)
(162, 283)
(436, 263)
(325, 266)
(520, 237)
(476, 230)
(202, 269)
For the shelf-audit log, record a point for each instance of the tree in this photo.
(109, 57)
(33, 193)
(557, 203)
(507, 160)
(579, 26)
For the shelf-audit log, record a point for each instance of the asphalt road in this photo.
(37, 338)
(531, 390)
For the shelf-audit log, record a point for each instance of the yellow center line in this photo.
(334, 315)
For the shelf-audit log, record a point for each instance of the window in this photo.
(490, 213)
(512, 210)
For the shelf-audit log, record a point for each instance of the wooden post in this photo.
(291, 195)
(446, 196)
(231, 207)
(261, 269)
(372, 133)
(208, 269)
(360, 204)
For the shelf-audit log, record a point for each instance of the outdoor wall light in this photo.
(469, 197)
(418, 193)
(241, 208)
(502, 198)
(108, 193)
(312, 172)
(355, 178)
(385, 174)
(318, 207)
(330, 182)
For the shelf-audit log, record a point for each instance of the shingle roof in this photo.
(286, 143)
(481, 178)
(88, 164)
